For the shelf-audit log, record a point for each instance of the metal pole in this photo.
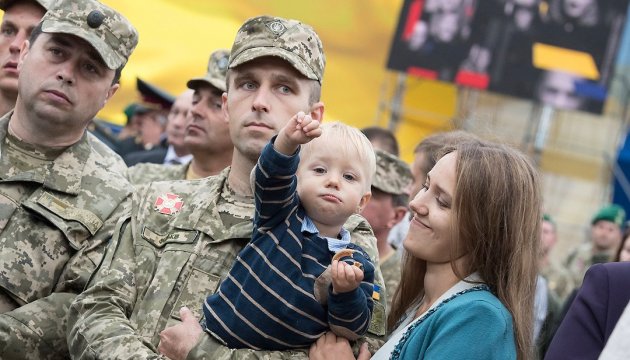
(544, 123)
(397, 99)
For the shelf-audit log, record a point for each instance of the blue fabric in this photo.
(268, 300)
(470, 325)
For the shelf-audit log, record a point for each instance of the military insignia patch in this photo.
(276, 27)
(168, 204)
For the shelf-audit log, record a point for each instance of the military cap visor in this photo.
(195, 83)
(5, 4)
(254, 52)
(111, 58)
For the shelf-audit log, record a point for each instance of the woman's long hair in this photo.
(496, 219)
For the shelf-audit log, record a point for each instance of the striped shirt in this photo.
(278, 294)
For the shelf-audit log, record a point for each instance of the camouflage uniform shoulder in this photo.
(105, 156)
(144, 173)
(357, 223)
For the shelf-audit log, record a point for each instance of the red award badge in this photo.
(168, 204)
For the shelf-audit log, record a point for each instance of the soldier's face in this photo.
(18, 22)
(207, 129)
(177, 118)
(263, 94)
(63, 81)
(380, 211)
(605, 235)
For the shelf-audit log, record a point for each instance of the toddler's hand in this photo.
(345, 277)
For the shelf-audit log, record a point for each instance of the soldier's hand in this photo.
(345, 277)
(177, 341)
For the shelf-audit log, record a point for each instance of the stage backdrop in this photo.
(558, 52)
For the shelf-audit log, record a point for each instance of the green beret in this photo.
(613, 213)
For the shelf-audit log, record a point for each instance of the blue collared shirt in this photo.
(334, 245)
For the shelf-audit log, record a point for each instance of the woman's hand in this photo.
(333, 347)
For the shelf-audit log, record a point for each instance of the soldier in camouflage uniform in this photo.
(19, 19)
(183, 236)
(606, 234)
(207, 132)
(61, 190)
(385, 209)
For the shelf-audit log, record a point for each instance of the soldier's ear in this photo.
(112, 90)
(26, 45)
(317, 111)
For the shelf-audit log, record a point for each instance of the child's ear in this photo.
(364, 200)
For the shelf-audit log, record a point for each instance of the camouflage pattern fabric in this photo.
(581, 258)
(145, 173)
(392, 174)
(158, 263)
(217, 71)
(55, 222)
(390, 267)
(290, 40)
(110, 33)
(559, 280)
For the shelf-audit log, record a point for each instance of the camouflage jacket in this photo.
(145, 173)
(158, 263)
(55, 221)
(390, 267)
(581, 258)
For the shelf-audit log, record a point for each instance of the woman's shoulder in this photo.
(479, 305)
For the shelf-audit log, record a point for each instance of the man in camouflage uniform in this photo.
(19, 19)
(386, 208)
(606, 235)
(183, 236)
(61, 190)
(207, 132)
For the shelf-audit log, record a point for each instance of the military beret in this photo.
(290, 40)
(392, 174)
(5, 4)
(613, 213)
(111, 34)
(217, 70)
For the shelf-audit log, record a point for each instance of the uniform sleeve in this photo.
(275, 190)
(98, 319)
(38, 330)
(581, 333)
(209, 348)
(478, 331)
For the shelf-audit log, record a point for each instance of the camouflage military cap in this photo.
(217, 69)
(392, 174)
(290, 40)
(5, 4)
(111, 34)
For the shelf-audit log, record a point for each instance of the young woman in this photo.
(468, 281)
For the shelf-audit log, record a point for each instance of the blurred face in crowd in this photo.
(558, 90)
(152, 126)
(18, 22)
(418, 174)
(606, 235)
(177, 119)
(549, 236)
(577, 8)
(444, 26)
